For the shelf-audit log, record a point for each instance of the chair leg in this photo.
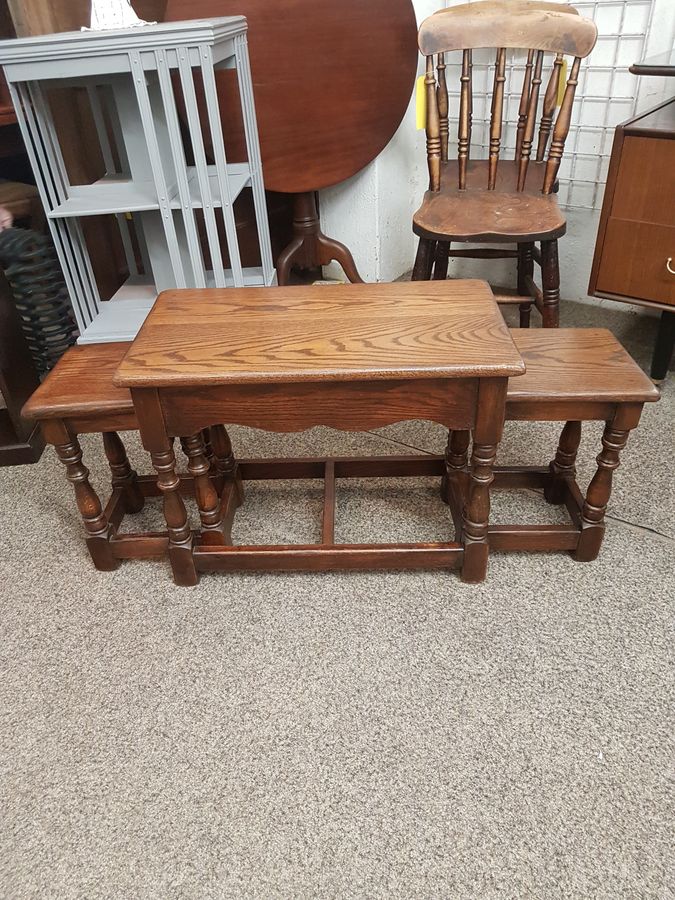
(550, 280)
(424, 260)
(563, 468)
(525, 269)
(123, 476)
(441, 260)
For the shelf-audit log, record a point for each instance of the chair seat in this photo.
(80, 386)
(576, 364)
(503, 215)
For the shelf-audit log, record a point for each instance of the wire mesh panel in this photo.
(606, 95)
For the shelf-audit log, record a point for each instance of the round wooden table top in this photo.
(332, 80)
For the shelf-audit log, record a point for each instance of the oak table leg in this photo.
(208, 501)
(614, 439)
(456, 459)
(226, 464)
(160, 446)
(96, 525)
(563, 468)
(123, 476)
(476, 513)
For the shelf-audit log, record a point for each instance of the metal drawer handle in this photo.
(668, 262)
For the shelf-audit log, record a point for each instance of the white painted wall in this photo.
(372, 212)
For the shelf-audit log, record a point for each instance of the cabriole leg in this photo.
(123, 476)
(563, 467)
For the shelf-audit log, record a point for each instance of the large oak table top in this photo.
(354, 332)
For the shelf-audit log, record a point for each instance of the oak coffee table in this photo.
(352, 357)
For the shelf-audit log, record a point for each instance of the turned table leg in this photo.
(226, 464)
(208, 448)
(456, 459)
(175, 514)
(123, 476)
(475, 517)
(160, 446)
(614, 439)
(563, 468)
(208, 501)
(96, 525)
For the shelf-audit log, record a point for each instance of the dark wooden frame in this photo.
(20, 440)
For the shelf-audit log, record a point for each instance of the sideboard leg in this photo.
(663, 349)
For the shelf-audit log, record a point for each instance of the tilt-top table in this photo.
(352, 357)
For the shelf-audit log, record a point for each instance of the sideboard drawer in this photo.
(634, 259)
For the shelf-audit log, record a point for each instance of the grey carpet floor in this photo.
(353, 735)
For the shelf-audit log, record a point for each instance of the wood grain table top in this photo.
(351, 332)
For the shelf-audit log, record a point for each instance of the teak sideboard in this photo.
(635, 248)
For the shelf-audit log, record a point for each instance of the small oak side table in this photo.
(352, 357)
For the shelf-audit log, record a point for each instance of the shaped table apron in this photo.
(283, 407)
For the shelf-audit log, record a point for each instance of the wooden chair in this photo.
(492, 200)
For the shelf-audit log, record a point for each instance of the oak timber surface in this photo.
(331, 83)
(81, 383)
(577, 363)
(347, 332)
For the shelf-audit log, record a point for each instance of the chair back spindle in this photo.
(433, 129)
(442, 101)
(562, 128)
(524, 101)
(550, 100)
(528, 132)
(496, 117)
(465, 115)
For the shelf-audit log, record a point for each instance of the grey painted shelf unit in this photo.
(152, 94)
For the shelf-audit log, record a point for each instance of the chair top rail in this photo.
(518, 27)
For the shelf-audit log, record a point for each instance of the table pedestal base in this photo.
(310, 248)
